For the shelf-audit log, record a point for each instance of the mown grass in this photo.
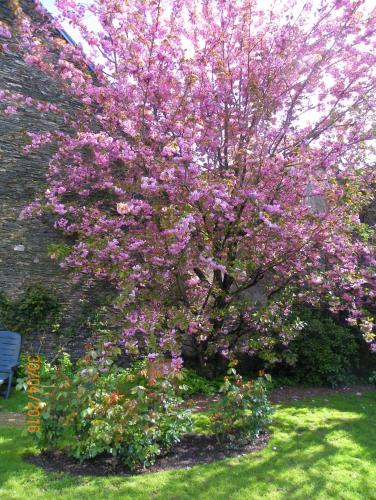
(16, 402)
(320, 449)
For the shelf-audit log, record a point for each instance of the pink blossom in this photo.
(273, 209)
(5, 31)
(10, 110)
(177, 363)
(123, 208)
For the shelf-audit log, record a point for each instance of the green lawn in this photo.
(323, 449)
(16, 402)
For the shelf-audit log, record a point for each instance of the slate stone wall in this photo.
(23, 244)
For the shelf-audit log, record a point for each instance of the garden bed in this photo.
(193, 449)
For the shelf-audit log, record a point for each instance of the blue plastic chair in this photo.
(10, 347)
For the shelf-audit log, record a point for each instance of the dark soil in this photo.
(193, 449)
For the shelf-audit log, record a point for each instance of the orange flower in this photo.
(113, 398)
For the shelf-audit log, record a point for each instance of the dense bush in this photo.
(326, 352)
(243, 411)
(193, 383)
(37, 309)
(133, 414)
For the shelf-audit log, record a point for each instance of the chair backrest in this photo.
(10, 346)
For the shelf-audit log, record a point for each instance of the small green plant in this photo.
(243, 411)
(372, 378)
(132, 414)
(65, 364)
(37, 309)
(193, 383)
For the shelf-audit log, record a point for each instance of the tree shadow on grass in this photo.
(329, 452)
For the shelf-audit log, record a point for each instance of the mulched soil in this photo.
(193, 449)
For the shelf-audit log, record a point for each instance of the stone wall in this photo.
(23, 244)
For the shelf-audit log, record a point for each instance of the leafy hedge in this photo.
(327, 353)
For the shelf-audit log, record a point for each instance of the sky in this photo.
(49, 4)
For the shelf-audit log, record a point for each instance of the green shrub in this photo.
(47, 370)
(326, 352)
(37, 309)
(243, 411)
(132, 414)
(193, 383)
